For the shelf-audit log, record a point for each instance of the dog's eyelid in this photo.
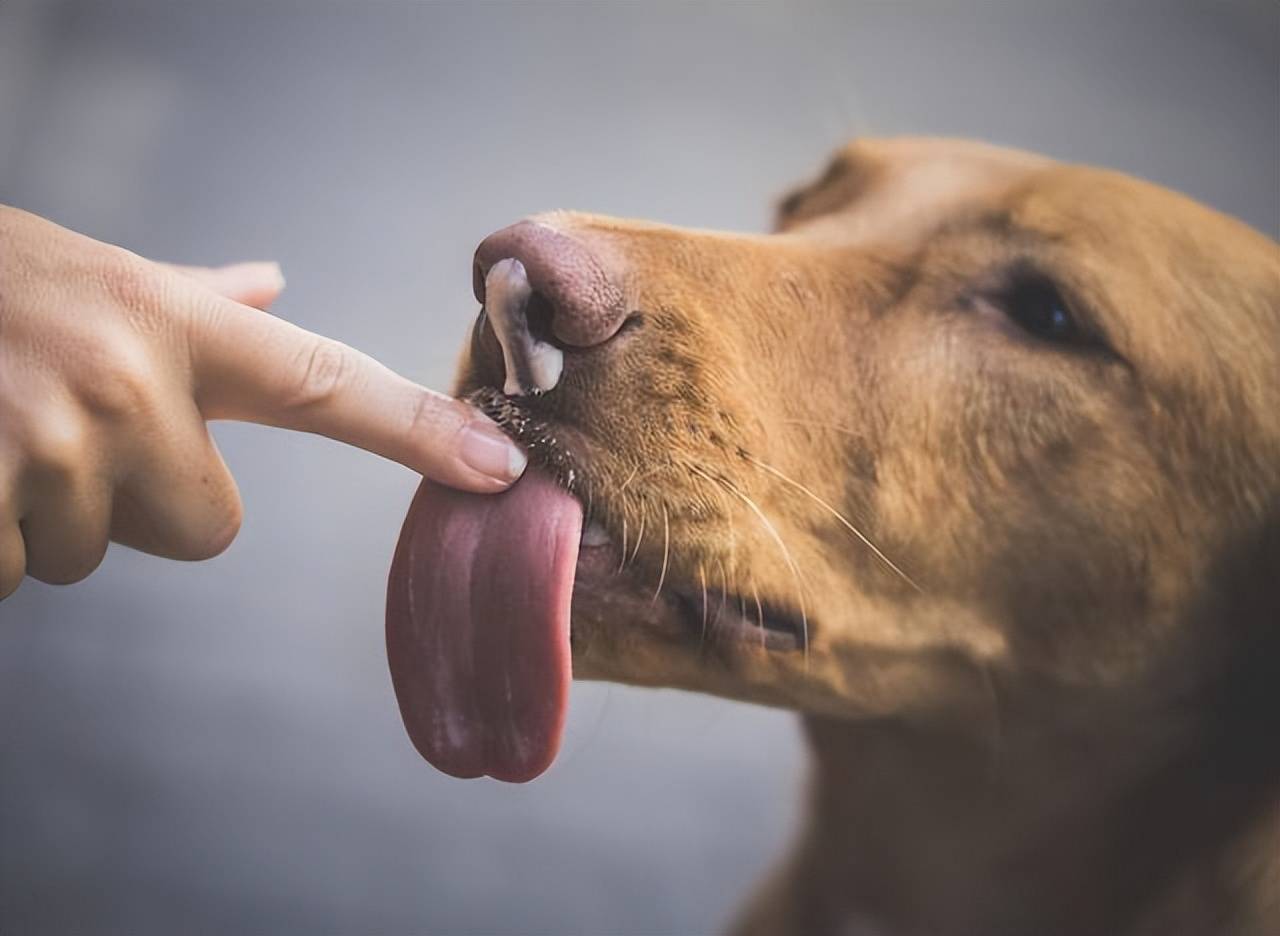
(1028, 296)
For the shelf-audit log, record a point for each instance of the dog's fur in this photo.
(1023, 588)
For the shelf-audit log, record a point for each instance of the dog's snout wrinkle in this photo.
(532, 365)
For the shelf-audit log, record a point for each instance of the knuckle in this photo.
(145, 294)
(425, 420)
(323, 370)
(121, 384)
(436, 431)
(128, 279)
(57, 447)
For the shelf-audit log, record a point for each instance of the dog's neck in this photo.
(913, 833)
(1118, 820)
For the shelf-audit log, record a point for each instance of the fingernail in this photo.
(252, 275)
(278, 274)
(486, 449)
(267, 271)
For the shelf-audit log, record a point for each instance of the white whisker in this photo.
(840, 517)
(622, 561)
(724, 591)
(782, 547)
(631, 477)
(666, 549)
(702, 578)
(759, 613)
(639, 537)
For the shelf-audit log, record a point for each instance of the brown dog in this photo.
(975, 462)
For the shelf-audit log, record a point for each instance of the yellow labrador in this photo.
(975, 462)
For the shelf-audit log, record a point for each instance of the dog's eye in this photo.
(1037, 307)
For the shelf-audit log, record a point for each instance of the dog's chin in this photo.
(619, 630)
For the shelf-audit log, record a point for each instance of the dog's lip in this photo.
(741, 617)
(712, 615)
(725, 617)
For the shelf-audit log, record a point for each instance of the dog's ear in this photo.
(848, 174)
(788, 207)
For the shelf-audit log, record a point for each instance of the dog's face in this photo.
(967, 409)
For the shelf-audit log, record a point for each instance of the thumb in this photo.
(256, 284)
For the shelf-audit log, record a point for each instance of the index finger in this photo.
(257, 368)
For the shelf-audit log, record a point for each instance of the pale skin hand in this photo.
(110, 366)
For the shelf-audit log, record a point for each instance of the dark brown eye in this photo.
(1035, 305)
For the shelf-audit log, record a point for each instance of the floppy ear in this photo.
(788, 206)
(847, 175)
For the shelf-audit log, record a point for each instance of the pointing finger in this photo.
(261, 369)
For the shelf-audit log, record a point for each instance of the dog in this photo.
(974, 461)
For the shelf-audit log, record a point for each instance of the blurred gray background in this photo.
(215, 747)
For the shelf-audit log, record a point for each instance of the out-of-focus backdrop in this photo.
(215, 747)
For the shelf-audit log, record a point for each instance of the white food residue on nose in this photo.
(532, 366)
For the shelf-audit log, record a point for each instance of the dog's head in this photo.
(967, 410)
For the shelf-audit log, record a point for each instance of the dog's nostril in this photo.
(576, 280)
(532, 363)
(539, 314)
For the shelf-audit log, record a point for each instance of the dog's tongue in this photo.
(478, 626)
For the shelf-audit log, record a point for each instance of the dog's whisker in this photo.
(702, 579)
(639, 537)
(631, 477)
(622, 561)
(782, 547)
(666, 550)
(732, 537)
(839, 517)
(759, 613)
(724, 591)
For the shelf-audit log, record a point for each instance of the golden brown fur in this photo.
(1032, 586)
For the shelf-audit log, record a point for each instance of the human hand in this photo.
(110, 366)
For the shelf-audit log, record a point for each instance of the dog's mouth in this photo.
(705, 608)
(483, 594)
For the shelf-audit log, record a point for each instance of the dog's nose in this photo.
(543, 288)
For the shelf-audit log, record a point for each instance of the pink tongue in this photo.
(478, 626)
